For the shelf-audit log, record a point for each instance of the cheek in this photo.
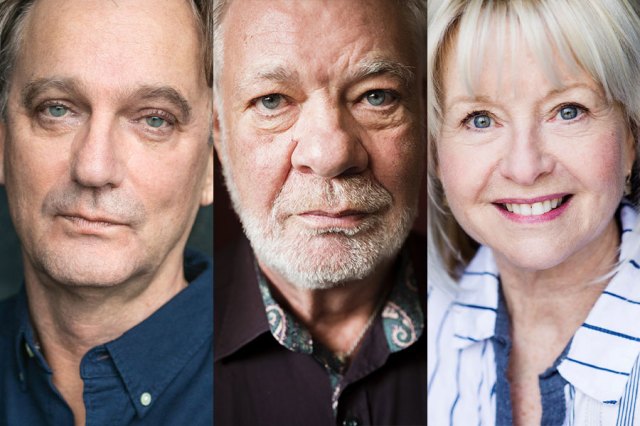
(601, 164)
(168, 182)
(397, 159)
(260, 166)
(462, 172)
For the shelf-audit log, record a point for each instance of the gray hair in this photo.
(13, 14)
(415, 10)
(609, 51)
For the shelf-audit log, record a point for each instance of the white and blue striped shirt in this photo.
(600, 367)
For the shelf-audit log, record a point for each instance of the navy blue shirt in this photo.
(158, 373)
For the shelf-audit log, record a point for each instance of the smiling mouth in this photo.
(535, 209)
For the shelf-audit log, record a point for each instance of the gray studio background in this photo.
(11, 264)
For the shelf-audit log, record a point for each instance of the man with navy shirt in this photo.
(106, 158)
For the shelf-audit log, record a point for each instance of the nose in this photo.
(526, 159)
(327, 142)
(96, 158)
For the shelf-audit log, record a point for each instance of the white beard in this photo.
(328, 257)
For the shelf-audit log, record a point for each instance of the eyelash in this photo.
(43, 107)
(582, 110)
(170, 119)
(467, 119)
(264, 111)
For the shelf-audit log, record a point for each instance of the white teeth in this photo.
(525, 209)
(535, 209)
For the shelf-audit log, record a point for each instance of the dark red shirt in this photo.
(257, 381)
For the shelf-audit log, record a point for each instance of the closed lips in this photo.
(535, 209)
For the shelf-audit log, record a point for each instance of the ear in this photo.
(217, 129)
(206, 197)
(630, 148)
(3, 135)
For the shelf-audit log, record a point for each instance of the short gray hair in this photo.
(609, 51)
(416, 13)
(13, 14)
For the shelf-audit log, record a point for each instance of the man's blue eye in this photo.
(377, 97)
(57, 110)
(271, 101)
(569, 112)
(155, 121)
(481, 121)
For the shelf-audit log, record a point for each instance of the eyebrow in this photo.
(278, 75)
(76, 89)
(165, 93)
(33, 88)
(372, 67)
(554, 92)
(365, 69)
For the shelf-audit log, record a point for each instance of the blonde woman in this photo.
(534, 304)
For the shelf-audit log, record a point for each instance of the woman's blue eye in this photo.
(271, 101)
(155, 121)
(57, 110)
(377, 97)
(569, 112)
(481, 121)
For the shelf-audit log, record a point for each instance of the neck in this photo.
(336, 317)
(575, 283)
(551, 305)
(71, 320)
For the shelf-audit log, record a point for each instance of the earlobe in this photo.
(207, 188)
(3, 135)
(216, 122)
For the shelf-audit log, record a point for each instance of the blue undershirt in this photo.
(551, 382)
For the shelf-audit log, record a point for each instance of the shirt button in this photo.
(145, 399)
(351, 421)
(29, 351)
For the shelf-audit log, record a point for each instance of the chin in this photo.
(87, 269)
(319, 261)
(535, 260)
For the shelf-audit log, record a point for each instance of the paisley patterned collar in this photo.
(402, 320)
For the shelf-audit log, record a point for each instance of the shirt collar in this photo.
(590, 364)
(474, 310)
(152, 354)
(402, 316)
(605, 348)
(239, 310)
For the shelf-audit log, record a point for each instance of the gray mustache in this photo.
(357, 193)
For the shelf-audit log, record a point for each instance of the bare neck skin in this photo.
(549, 306)
(335, 317)
(69, 321)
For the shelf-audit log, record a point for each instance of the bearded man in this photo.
(319, 125)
